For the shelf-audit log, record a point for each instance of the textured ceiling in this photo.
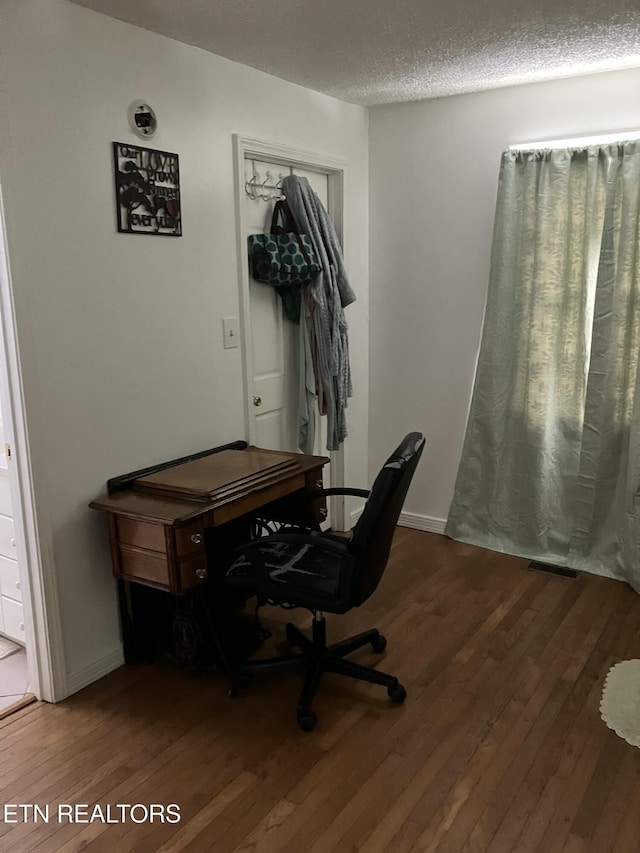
(378, 51)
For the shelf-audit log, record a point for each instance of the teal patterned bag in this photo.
(283, 257)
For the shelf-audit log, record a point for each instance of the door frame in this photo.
(246, 148)
(41, 607)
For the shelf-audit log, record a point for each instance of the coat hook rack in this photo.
(267, 190)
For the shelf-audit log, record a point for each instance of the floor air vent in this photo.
(552, 570)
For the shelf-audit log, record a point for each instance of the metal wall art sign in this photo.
(147, 190)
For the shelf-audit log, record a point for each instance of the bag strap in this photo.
(282, 211)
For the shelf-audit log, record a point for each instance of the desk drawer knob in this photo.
(323, 512)
(257, 401)
(196, 538)
(201, 573)
(319, 484)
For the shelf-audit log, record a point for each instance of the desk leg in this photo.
(126, 622)
(137, 639)
(210, 636)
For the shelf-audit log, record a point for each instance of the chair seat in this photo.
(294, 570)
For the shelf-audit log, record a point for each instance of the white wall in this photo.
(120, 336)
(433, 183)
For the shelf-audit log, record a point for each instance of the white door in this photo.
(11, 608)
(11, 613)
(273, 339)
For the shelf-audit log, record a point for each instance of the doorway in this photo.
(15, 685)
(29, 607)
(269, 341)
(274, 340)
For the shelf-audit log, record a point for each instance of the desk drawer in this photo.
(192, 572)
(142, 534)
(145, 566)
(189, 538)
(314, 482)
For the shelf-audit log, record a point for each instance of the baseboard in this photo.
(18, 705)
(422, 522)
(411, 519)
(88, 674)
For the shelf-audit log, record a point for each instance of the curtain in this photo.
(550, 467)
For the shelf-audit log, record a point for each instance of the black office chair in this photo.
(324, 572)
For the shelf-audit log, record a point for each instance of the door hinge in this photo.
(7, 451)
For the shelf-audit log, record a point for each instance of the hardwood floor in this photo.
(499, 747)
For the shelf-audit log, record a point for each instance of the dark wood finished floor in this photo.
(499, 747)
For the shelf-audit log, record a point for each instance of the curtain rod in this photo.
(578, 141)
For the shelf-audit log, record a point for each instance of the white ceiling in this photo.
(379, 51)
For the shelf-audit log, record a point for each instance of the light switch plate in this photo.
(230, 331)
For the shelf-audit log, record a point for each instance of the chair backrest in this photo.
(370, 543)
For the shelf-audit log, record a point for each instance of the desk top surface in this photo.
(229, 471)
(167, 509)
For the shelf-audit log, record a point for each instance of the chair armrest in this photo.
(338, 490)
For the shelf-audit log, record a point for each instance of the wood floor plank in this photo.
(498, 748)
(615, 805)
(466, 733)
(537, 800)
(505, 717)
(532, 801)
(626, 840)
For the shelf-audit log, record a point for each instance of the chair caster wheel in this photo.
(307, 720)
(244, 679)
(289, 632)
(241, 681)
(397, 694)
(379, 644)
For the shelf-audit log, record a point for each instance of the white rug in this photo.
(7, 647)
(620, 704)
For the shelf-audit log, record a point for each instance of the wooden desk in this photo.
(159, 541)
(163, 545)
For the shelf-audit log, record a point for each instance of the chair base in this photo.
(320, 658)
